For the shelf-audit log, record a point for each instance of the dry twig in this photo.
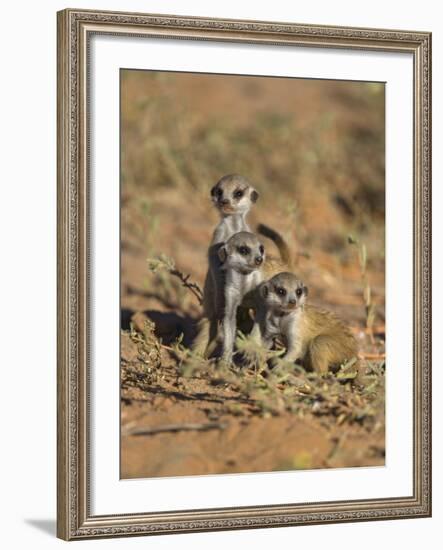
(163, 262)
(189, 427)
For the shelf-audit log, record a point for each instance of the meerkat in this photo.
(241, 259)
(233, 196)
(315, 337)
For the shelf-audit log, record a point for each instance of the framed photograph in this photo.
(244, 283)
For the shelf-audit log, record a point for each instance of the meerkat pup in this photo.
(241, 258)
(315, 337)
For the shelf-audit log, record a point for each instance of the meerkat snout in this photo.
(284, 292)
(243, 253)
(233, 194)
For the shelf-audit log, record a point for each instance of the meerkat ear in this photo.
(254, 195)
(305, 290)
(264, 290)
(214, 190)
(222, 254)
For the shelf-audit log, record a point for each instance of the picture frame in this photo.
(75, 519)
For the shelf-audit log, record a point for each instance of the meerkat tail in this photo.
(201, 341)
(206, 341)
(280, 243)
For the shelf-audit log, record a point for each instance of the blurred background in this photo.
(314, 149)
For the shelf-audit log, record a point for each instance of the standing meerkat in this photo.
(313, 336)
(241, 259)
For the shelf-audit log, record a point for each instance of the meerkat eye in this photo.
(299, 292)
(262, 249)
(281, 291)
(238, 194)
(219, 192)
(244, 250)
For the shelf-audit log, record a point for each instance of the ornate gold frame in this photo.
(75, 27)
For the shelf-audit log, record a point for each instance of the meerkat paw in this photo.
(225, 361)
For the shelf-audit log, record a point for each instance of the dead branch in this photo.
(163, 262)
(193, 287)
(176, 428)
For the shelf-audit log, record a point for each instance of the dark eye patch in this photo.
(262, 249)
(219, 192)
(238, 193)
(299, 292)
(281, 291)
(244, 250)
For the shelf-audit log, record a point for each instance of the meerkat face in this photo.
(243, 252)
(233, 194)
(284, 293)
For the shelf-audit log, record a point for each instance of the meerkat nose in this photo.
(293, 301)
(224, 202)
(258, 260)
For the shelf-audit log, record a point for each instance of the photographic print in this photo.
(238, 274)
(252, 274)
